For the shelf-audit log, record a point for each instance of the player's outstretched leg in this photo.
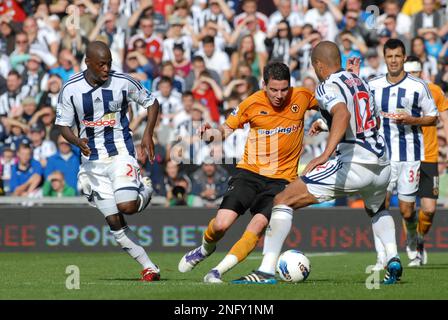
(192, 258)
(128, 241)
(240, 250)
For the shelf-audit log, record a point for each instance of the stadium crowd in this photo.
(201, 58)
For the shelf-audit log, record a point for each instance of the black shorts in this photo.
(249, 190)
(429, 180)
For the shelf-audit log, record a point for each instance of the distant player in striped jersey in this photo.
(96, 100)
(407, 105)
(361, 164)
(428, 190)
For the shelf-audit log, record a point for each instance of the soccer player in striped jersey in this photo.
(361, 164)
(407, 105)
(428, 190)
(96, 100)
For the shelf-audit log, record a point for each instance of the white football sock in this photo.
(278, 229)
(226, 264)
(129, 243)
(207, 247)
(380, 250)
(384, 228)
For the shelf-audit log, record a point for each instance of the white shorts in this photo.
(336, 179)
(101, 179)
(405, 177)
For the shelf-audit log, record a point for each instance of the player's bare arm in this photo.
(68, 134)
(341, 120)
(406, 119)
(147, 144)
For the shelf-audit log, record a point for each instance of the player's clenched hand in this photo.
(317, 127)
(146, 149)
(314, 163)
(204, 132)
(354, 65)
(82, 144)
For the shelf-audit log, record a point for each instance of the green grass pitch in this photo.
(115, 276)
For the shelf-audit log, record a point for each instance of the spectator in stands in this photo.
(168, 70)
(66, 160)
(41, 39)
(179, 195)
(7, 35)
(26, 175)
(429, 19)
(285, 12)
(138, 67)
(250, 27)
(323, 17)
(279, 41)
(87, 13)
(29, 108)
(247, 53)
(210, 183)
(7, 161)
(55, 186)
(15, 129)
(172, 178)
(373, 66)
(49, 97)
(153, 44)
(169, 101)
(181, 65)
(68, 65)
(208, 93)
(215, 59)
(250, 8)
(301, 51)
(46, 116)
(392, 8)
(418, 49)
(10, 101)
(34, 78)
(146, 10)
(20, 55)
(242, 87)
(74, 41)
(198, 66)
(175, 35)
(42, 147)
(350, 47)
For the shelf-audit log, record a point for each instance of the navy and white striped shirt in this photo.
(362, 142)
(411, 95)
(100, 113)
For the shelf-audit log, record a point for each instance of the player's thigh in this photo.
(408, 180)
(296, 195)
(124, 174)
(241, 191)
(429, 181)
(374, 193)
(264, 200)
(97, 187)
(328, 181)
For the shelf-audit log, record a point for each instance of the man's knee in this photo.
(220, 225)
(128, 207)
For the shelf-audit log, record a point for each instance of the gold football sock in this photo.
(424, 222)
(244, 246)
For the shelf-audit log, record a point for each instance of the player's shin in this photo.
(128, 241)
(276, 233)
(384, 228)
(211, 236)
(380, 252)
(241, 249)
(411, 231)
(424, 222)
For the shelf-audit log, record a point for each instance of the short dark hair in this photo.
(276, 71)
(165, 79)
(208, 39)
(394, 44)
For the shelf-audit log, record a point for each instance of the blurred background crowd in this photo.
(200, 58)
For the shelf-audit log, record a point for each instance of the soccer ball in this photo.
(293, 266)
